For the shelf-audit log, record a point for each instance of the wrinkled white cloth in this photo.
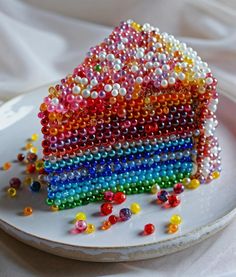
(42, 41)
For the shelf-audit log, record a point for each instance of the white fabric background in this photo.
(43, 40)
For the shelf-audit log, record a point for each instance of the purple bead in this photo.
(162, 195)
(125, 214)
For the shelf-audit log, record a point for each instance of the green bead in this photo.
(97, 67)
(49, 201)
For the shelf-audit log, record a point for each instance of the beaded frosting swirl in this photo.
(138, 111)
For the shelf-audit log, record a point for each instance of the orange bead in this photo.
(172, 228)
(27, 211)
(6, 166)
(106, 225)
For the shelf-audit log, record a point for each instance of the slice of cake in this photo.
(138, 111)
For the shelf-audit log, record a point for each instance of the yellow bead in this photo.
(11, 192)
(135, 208)
(80, 216)
(6, 166)
(28, 181)
(215, 174)
(186, 181)
(34, 149)
(35, 137)
(54, 208)
(39, 165)
(194, 184)
(90, 228)
(28, 145)
(27, 211)
(172, 228)
(176, 219)
(155, 188)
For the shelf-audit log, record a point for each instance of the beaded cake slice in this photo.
(138, 111)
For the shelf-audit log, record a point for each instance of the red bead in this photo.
(31, 157)
(108, 196)
(106, 208)
(20, 157)
(113, 219)
(15, 183)
(173, 200)
(178, 188)
(31, 168)
(149, 229)
(119, 197)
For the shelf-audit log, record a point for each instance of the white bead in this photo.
(85, 93)
(146, 27)
(139, 80)
(124, 40)
(158, 71)
(89, 87)
(102, 56)
(162, 57)
(139, 55)
(110, 57)
(134, 68)
(55, 101)
(149, 65)
(77, 79)
(156, 64)
(181, 76)
(116, 86)
(171, 80)
(108, 88)
(121, 46)
(94, 82)
(122, 91)
(76, 89)
(158, 45)
(94, 94)
(209, 81)
(164, 83)
(165, 67)
(114, 92)
(117, 67)
(84, 81)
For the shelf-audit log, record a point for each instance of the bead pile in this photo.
(138, 111)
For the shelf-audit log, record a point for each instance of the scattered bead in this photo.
(135, 208)
(15, 183)
(30, 168)
(31, 157)
(35, 186)
(28, 145)
(28, 181)
(34, 149)
(176, 219)
(106, 208)
(149, 229)
(90, 228)
(119, 197)
(11, 192)
(81, 226)
(178, 188)
(172, 228)
(34, 137)
(27, 211)
(80, 216)
(162, 196)
(113, 219)
(125, 214)
(39, 165)
(6, 166)
(173, 200)
(20, 157)
(106, 225)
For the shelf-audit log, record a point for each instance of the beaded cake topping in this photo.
(138, 114)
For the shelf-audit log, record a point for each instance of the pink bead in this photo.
(108, 196)
(51, 108)
(81, 225)
(59, 108)
(70, 98)
(47, 100)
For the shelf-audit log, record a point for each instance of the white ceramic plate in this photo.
(205, 210)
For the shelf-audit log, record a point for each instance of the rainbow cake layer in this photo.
(139, 110)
